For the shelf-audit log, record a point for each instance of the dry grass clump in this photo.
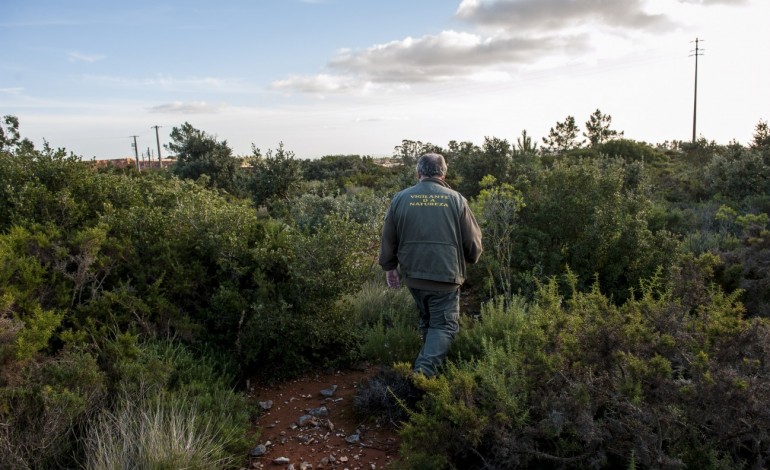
(154, 435)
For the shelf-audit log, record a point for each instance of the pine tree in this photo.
(598, 128)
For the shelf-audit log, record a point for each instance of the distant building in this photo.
(129, 162)
(388, 162)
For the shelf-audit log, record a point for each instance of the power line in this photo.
(697, 52)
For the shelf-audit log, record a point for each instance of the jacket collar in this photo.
(435, 180)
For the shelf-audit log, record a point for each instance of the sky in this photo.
(356, 77)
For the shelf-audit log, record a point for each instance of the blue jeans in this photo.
(439, 324)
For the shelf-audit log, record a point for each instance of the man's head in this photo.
(431, 165)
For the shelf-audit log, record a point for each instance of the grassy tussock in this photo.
(389, 322)
(154, 436)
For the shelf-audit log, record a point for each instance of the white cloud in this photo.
(447, 55)
(716, 2)
(194, 107)
(548, 15)
(444, 57)
(12, 90)
(170, 83)
(381, 118)
(317, 84)
(75, 56)
(525, 33)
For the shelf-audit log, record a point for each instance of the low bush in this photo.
(661, 381)
(387, 319)
(43, 407)
(389, 396)
(168, 374)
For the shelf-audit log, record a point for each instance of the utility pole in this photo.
(157, 140)
(696, 53)
(136, 153)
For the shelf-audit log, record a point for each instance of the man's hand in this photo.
(392, 278)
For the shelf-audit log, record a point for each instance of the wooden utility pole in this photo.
(136, 154)
(157, 140)
(696, 53)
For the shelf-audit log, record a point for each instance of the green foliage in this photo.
(310, 212)
(9, 134)
(44, 187)
(38, 329)
(473, 164)
(174, 409)
(310, 271)
(99, 269)
(157, 435)
(43, 406)
(598, 129)
(581, 382)
(739, 172)
(745, 262)
(497, 208)
(345, 171)
(524, 145)
(563, 137)
(198, 153)
(170, 373)
(630, 151)
(274, 176)
(409, 151)
(387, 319)
(500, 317)
(593, 217)
(761, 138)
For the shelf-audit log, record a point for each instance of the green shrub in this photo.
(593, 216)
(43, 408)
(497, 208)
(387, 319)
(200, 383)
(500, 317)
(583, 382)
(630, 150)
(295, 321)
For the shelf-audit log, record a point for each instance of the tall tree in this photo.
(408, 152)
(9, 133)
(761, 138)
(475, 163)
(563, 137)
(274, 175)
(198, 153)
(524, 145)
(598, 128)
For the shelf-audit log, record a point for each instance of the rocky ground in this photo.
(309, 423)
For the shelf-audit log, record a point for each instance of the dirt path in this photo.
(304, 429)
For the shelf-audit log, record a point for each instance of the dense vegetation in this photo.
(617, 319)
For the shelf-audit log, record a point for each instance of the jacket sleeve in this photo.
(471, 233)
(389, 243)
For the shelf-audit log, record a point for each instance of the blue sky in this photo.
(357, 76)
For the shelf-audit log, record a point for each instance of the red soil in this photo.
(321, 443)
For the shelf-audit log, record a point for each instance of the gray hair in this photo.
(431, 165)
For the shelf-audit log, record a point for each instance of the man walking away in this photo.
(430, 233)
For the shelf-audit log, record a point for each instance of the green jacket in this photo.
(430, 232)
